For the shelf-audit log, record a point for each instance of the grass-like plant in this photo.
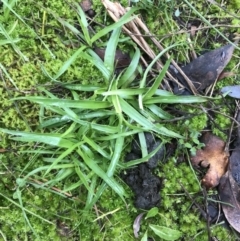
(87, 134)
(83, 134)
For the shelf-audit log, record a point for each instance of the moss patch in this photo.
(42, 44)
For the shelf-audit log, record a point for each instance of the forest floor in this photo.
(98, 129)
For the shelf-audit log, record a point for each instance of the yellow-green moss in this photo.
(175, 210)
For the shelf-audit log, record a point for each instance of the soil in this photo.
(141, 179)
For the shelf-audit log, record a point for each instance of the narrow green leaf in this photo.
(92, 197)
(144, 79)
(165, 233)
(124, 92)
(71, 27)
(115, 99)
(96, 147)
(109, 57)
(3, 236)
(95, 114)
(104, 128)
(159, 112)
(143, 159)
(70, 61)
(163, 93)
(96, 168)
(8, 76)
(135, 115)
(62, 174)
(143, 144)
(118, 149)
(81, 175)
(144, 122)
(176, 99)
(7, 10)
(107, 129)
(6, 41)
(129, 73)
(124, 19)
(43, 168)
(114, 136)
(164, 131)
(79, 87)
(97, 61)
(158, 81)
(62, 156)
(63, 103)
(14, 46)
(18, 195)
(83, 23)
(73, 186)
(70, 131)
(50, 139)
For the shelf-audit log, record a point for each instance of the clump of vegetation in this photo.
(67, 121)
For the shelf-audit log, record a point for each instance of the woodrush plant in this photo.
(86, 143)
(124, 112)
(82, 137)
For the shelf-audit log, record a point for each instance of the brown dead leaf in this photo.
(193, 30)
(225, 75)
(229, 192)
(86, 5)
(206, 69)
(229, 186)
(212, 156)
(2, 150)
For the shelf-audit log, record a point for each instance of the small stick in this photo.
(115, 10)
(98, 219)
(189, 82)
(197, 205)
(236, 120)
(207, 214)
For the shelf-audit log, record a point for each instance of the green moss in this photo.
(222, 120)
(235, 4)
(176, 209)
(220, 232)
(176, 206)
(117, 225)
(15, 225)
(28, 75)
